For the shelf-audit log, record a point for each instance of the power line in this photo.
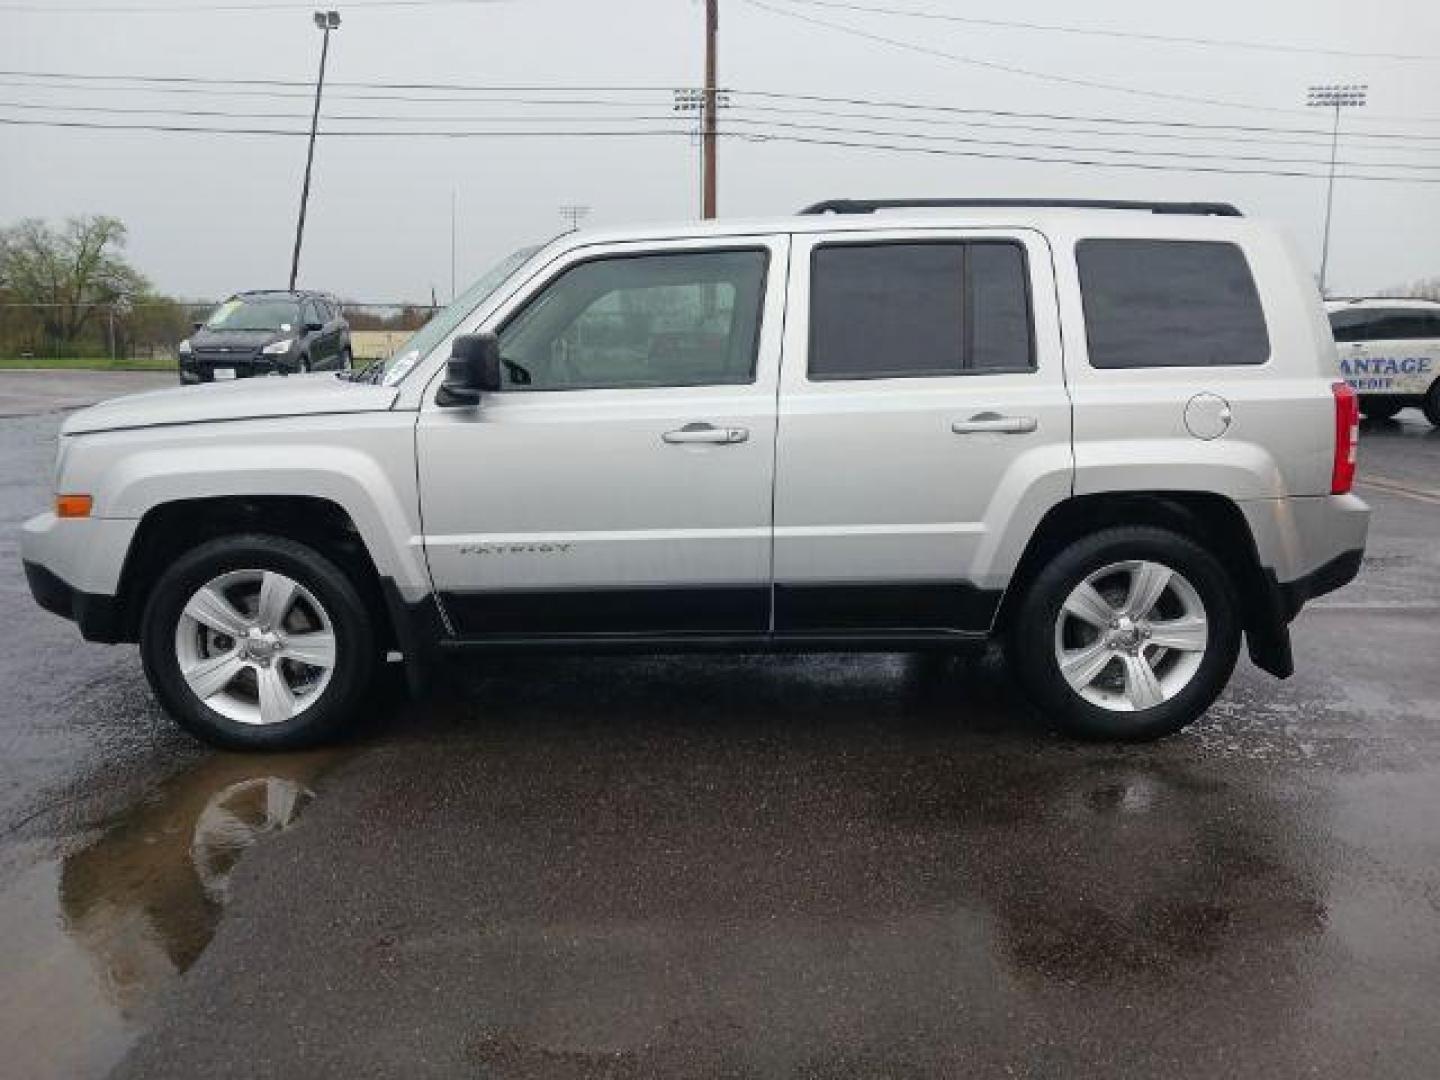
(1007, 124)
(1130, 35)
(939, 152)
(760, 136)
(1189, 125)
(892, 132)
(207, 80)
(124, 110)
(289, 132)
(206, 85)
(188, 9)
(1009, 69)
(1011, 125)
(1070, 147)
(1045, 76)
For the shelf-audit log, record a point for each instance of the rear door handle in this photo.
(996, 424)
(706, 433)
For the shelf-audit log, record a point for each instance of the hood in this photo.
(244, 399)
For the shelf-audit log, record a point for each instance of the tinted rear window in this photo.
(1170, 303)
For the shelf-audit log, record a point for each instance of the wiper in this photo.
(369, 373)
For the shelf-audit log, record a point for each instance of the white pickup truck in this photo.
(1108, 434)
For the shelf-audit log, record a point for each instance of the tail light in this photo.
(1347, 438)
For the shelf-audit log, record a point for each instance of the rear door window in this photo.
(1170, 303)
(917, 309)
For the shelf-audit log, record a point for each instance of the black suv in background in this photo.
(267, 332)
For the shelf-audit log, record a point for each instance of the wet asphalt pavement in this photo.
(767, 867)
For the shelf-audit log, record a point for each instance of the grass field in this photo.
(83, 363)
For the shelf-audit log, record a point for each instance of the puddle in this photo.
(90, 935)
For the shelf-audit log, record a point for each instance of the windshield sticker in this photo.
(225, 310)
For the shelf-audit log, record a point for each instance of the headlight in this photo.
(278, 348)
(184, 348)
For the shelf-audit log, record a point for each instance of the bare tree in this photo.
(1424, 289)
(65, 275)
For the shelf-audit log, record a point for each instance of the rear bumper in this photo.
(1306, 547)
(1296, 537)
(1338, 572)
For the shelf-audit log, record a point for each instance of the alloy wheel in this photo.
(256, 646)
(1131, 636)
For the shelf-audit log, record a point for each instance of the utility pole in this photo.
(692, 100)
(326, 21)
(712, 27)
(1337, 97)
(574, 214)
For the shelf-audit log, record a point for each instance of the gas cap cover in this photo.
(1207, 416)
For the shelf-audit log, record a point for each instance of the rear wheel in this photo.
(257, 642)
(1431, 406)
(1128, 634)
(1380, 408)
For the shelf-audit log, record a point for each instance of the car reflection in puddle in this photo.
(142, 901)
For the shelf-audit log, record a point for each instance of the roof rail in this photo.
(869, 206)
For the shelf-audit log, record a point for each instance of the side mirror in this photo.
(197, 327)
(314, 327)
(474, 369)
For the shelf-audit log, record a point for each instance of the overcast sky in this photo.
(209, 214)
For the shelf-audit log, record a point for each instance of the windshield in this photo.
(241, 314)
(444, 322)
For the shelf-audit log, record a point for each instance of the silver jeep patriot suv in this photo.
(1109, 435)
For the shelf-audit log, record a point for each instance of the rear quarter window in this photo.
(1170, 303)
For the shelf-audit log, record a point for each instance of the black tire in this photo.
(337, 702)
(1431, 407)
(1380, 408)
(1031, 640)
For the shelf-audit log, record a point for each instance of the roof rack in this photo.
(869, 206)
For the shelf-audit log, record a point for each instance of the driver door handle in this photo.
(994, 422)
(706, 433)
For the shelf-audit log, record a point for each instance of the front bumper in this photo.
(73, 567)
(98, 616)
(200, 367)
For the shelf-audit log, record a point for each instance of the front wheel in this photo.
(257, 642)
(1128, 634)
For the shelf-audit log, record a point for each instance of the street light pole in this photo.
(1333, 96)
(326, 21)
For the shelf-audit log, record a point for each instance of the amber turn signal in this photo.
(72, 506)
